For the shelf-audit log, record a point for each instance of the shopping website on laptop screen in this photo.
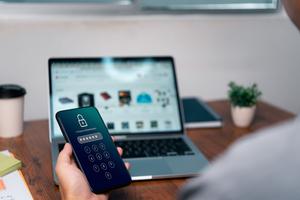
(132, 95)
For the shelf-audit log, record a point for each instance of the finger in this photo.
(72, 162)
(65, 156)
(120, 151)
(127, 165)
(102, 196)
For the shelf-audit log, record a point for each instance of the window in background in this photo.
(66, 1)
(140, 6)
(209, 4)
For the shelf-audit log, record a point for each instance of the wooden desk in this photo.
(33, 149)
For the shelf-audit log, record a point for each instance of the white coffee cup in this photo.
(11, 110)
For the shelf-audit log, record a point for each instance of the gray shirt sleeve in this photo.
(262, 166)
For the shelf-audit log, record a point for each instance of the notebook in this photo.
(8, 164)
(13, 185)
(199, 115)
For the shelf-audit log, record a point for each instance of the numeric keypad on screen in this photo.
(99, 159)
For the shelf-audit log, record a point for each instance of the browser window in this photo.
(132, 95)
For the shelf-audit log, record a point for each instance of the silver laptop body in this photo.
(138, 99)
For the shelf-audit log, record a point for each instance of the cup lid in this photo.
(11, 91)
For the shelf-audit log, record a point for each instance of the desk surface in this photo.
(33, 149)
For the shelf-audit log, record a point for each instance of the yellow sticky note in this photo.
(8, 164)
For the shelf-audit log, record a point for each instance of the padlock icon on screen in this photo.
(81, 121)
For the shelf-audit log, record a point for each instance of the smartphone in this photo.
(93, 149)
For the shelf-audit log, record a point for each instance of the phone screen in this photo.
(93, 148)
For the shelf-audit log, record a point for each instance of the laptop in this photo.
(139, 101)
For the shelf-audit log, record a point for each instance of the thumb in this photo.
(65, 156)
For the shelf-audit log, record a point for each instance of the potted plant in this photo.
(243, 103)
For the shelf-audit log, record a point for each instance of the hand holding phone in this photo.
(93, 149)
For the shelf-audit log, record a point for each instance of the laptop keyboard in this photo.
(154, 148)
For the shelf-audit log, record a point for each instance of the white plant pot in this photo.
(242, 116)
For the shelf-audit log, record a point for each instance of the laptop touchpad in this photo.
(144, 167)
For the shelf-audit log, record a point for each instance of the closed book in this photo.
(198, 114)
(8, 164)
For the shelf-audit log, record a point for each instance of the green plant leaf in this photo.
(243, 96)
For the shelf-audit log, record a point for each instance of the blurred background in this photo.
(211, 44)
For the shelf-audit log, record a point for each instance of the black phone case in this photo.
(93, 149)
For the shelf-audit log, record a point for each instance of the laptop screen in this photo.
(133, 95)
